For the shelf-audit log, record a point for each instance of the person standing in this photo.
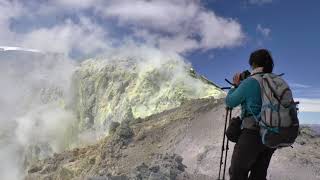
(250, 156)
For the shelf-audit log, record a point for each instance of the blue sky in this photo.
(217, 36)
(293, 40)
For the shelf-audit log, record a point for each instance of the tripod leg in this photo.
(227, 148)
(225, 160)
(223, 142)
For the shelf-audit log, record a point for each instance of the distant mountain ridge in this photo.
(315, 128)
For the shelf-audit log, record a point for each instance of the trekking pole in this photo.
(223, 143)
(227, 149)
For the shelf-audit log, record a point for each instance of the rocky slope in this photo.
(164, 121)
(41, 115)
(116, 89)
(135, 144)
(182, 143)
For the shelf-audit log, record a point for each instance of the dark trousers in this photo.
(250, 155)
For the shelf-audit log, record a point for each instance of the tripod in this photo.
(228, 117)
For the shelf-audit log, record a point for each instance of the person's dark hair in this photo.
(262, 58)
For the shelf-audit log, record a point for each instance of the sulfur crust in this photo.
(114, 91)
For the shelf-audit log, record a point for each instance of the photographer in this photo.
(249, 154)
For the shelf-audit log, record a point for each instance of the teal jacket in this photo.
(248, 94)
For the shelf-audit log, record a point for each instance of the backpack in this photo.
(278, 119)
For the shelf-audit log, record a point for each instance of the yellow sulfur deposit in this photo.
(120, 89)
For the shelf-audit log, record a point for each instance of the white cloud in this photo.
(10, 48)
(299, 85)
(85, 37)
(263, 30)
(178, 25)
(259, 1)
(76, 3)
(8, 10)
(158, 15)
(309, 105)
(178, 43)
(305, 90)
(63, 37)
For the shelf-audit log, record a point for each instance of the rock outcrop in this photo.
(115, 90)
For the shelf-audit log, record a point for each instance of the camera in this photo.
(244, 75)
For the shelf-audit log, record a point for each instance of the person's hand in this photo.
(236, 79)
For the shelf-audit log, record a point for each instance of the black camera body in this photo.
(244, 75)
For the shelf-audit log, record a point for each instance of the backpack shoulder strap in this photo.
(258, 77)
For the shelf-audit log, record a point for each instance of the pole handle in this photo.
(229, 82)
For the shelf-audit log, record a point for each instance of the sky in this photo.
(289, 29)
(216, 36)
